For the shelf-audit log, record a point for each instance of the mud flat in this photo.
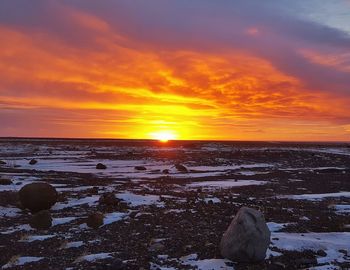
(168, 218)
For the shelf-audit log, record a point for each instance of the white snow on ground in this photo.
(154, 266)
(137, 200)
(337, 151)
(331, 243)
(91, 200)
(18, 183)
(174, 211)
(125, 168)
(311, 168)
(229, 167)
(226, 183)
(332, 150)
(32, 238)
(113, 217)
(21, 261)
(24, 227)
(275, 227)
(9, 211)
(213, 199)
(270, 253)
(196, 174)
(116, 168)
(342, 208)
(75, 244)
(251, 173)
(73, 189)
(94, 257)
(315, 197)
(64, 220)
(206, 264)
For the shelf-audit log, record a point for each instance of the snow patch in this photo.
(22, 261)
(226, 183)
(9, 211)
(113, 217)
(275, 227)
(316, 197)
(64, 220)
(91, 200)
(94, 257)
(24, 227)
(331, 243)
(33, 238)
(76, 244)
(137, 200)
(206, 264)
(342, 208)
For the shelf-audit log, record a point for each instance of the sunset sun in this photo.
(163, 136)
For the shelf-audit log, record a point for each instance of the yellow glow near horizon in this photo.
(164, 135)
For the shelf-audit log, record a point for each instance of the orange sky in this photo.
(81, 73)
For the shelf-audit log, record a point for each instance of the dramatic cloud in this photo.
(201, 69)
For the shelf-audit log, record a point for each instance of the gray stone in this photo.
(247, 238)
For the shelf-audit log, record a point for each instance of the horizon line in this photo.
(155, 140)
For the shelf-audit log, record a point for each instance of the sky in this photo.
(176, 69)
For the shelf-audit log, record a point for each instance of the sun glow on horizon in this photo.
(163, 136)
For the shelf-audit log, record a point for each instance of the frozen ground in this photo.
(172, 219)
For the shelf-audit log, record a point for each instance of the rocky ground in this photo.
(167, 218)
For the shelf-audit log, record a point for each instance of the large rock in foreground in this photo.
(41, 220)
(38, 196)
(247, 238)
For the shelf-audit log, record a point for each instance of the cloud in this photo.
(218, 69)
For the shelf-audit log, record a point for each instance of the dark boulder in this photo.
(95, 220)
(41, 220)
(101, 166)
(166, 171)
(33, 162)
(4, 181)
(108, 199)
(2, 162)
(181, 168)
(38, 196)
(140, 168)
